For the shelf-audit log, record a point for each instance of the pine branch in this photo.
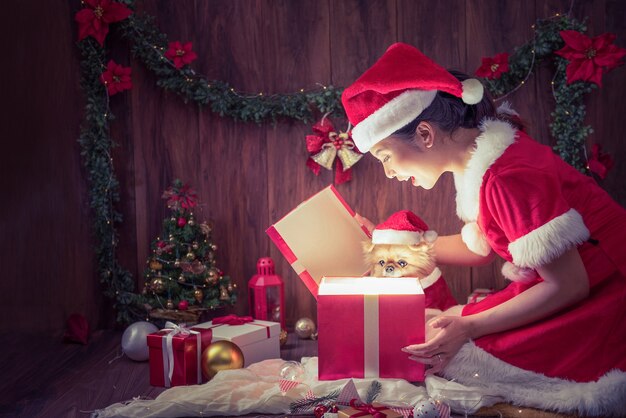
(373, 391)
(303, 406)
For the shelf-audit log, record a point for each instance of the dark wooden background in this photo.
(247, 176)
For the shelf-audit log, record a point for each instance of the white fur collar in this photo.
(496, 136)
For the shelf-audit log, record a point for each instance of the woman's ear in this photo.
(425, 134)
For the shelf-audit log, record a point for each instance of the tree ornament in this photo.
(230, 287)
(157, 285)
(214, 247)
(194, 245)
(177, 263)
(180, 196)
(181, 222)
(326, 146)
(221, 355)
(431, 408)
(205, 228)
(181, 279)
(191, 222)
(183, 305)
(169, 304)
(304, 328)
(171, 238)
(198, 295)
(155, 265)
(282, 338)
(224, 293)
(190, 255)
(213, 273)
(173, 219)
(589, 58)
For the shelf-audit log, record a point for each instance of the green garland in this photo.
(147, 45)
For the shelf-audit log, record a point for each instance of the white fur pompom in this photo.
(430, 236)
(473, 237)
(518, 274)
(472, 91)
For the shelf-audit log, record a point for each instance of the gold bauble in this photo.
(230, 287)
(214, 247)
(224, 293)
(169, 304)
(305, 327)
(190, 255)
(157, 285)
(155, 265)
(282, 338)
(194, 245)
(177, 263)
(198, 295)
(173, 219)
(220, 355)
(191, 222)
(213, 273)
(181, 279)
(210, 280)
(171, 238)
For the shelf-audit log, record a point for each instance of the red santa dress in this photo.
(523, 201)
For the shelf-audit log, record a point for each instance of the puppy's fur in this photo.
(398, 260)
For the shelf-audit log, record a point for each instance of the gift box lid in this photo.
(320, 238)
(370, 286)
(179, 340)
(245, 334)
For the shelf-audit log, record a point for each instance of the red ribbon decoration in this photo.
(232, 320)
(600, 163)
(325, 133)
(368, 409)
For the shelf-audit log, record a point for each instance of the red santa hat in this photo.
(403, 227)
(396, 90)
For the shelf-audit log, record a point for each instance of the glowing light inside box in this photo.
(370, 286)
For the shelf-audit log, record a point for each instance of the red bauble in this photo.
(320, 410)
(182, 222)
(183, 305)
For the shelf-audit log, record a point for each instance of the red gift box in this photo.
(320, 238)
(175, 354)
(364, 322)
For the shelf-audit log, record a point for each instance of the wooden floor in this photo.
(42, 377)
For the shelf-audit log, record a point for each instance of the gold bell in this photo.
(348, 157)
(326, 156)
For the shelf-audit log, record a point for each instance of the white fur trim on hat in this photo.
(393, 236)
(518, 274)
(394, 115)
(473, 91)
(475, 240)
(550, 240)
(474, 367)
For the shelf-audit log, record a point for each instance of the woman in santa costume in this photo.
(556, 336)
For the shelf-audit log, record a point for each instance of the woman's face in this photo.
(413, 161)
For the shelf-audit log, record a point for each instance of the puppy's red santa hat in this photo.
(404, 228)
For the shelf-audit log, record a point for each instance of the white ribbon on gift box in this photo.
(168, 350)
(370, 336)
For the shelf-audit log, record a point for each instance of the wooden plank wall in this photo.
(249, 176)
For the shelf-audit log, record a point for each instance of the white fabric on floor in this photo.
(253, 390)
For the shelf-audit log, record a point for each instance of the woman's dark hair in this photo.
(449, 113)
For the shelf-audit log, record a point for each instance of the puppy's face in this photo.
(396, 260)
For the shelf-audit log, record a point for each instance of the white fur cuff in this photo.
(475, 240)
(518, 274)
(549, 241)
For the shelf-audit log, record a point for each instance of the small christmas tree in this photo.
(181, 276)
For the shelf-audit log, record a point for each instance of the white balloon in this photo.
(135, 340)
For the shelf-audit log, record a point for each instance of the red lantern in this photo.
(267, 293)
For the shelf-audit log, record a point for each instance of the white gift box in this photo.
(258, 340)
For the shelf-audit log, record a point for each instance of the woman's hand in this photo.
(445, 337)
(365, 222)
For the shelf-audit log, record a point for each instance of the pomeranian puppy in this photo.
(402, 246)
(400, 260)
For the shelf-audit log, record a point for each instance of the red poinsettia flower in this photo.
(494, 67)
(116, 78)
(600, 163)
(589, 57)
(180, 54)
(94, 19)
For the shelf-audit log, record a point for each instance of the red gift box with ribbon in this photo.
(258, 340)
(374, 410)
(364, 322)
(175, 354)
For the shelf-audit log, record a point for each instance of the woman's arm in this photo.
(451, 249)
(565, 282)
